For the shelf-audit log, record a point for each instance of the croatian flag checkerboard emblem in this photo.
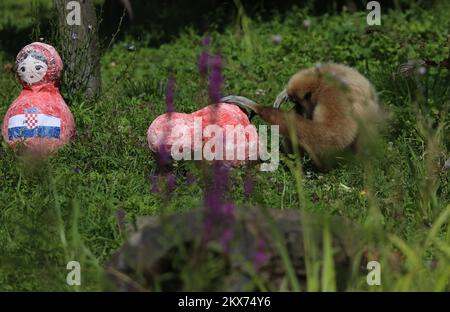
(32, 124)
(31, 120)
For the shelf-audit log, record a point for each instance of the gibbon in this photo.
(336, 108)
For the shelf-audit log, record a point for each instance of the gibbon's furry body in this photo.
(335, 108)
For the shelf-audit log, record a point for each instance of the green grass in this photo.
(65, 209)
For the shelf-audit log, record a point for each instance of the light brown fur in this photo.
(336, 109)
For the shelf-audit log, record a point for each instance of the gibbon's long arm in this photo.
(316, 137)
(268, 114)
(241, 101)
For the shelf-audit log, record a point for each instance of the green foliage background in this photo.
(66, 208)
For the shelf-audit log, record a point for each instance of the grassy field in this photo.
(66, 208)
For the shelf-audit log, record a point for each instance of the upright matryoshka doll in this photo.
(39, 118)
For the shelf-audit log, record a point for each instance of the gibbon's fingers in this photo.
(241, 101)
(281, 118)
(281, 98)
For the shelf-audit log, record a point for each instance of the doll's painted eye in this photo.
(22, 68)
(39, 67)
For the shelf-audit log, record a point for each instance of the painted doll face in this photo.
(31, 70)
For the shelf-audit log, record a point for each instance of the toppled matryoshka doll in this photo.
(237, 134)
(39, 119)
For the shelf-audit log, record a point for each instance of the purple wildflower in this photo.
(163, 156)
(227, 237)
(203, 59)
(228, 210)
(154, 183)
(120, 217)
(219, 216)
(206, 41)
(190, 179)
(215, 78)
(214, 194)
(163, 153)
(228, 220)
(216, 191)
(260, 256)
(171, 183)
(248, 187)
(203, 63)
(170, 91)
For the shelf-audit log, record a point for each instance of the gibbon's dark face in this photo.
(303, 106)
(300, 91)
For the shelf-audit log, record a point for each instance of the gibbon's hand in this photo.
(249, 104)
(281, 98)
(242, 102)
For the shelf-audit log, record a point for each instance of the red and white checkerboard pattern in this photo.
(31, 120)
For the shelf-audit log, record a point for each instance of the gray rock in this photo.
(162, 248)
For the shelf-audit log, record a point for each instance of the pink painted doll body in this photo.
(162, 133)
(38, 119)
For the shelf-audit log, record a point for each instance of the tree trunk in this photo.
(79, 47)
